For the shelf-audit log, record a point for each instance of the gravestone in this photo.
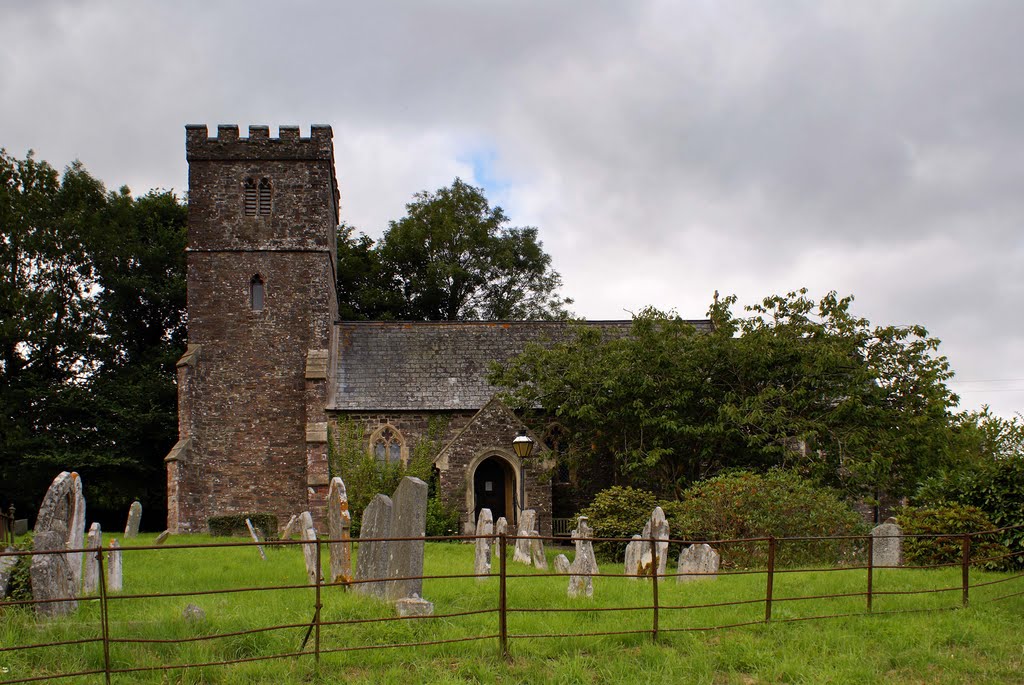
(408, 520)
(887, 544)
(500, 528)
(482, 558)
(527, 522)
(131, 528)
(657, 528)
(698, 562)
(76, 532)
(583, 564)
(20, 526)
(372, 559)
(537, 556)
(7, 565)
(561, 564)
(291, 529)
(51, 575)
(308, 533)
(414, 606)
(193, 614)
(115, 577)
(339, 523)
(256, 539)
(638, 558)
(93, 542)
(162, 537)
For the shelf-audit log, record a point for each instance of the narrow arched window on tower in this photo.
(264, 206)
(249, 203)
(256, 293)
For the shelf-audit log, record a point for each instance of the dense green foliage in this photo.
(452, 256)
(618, 512)
(92, 298)
(794, 383)
(942, 545)
(234, 524)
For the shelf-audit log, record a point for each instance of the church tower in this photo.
(254, 382)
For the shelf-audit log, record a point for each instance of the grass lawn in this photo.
(983, 643)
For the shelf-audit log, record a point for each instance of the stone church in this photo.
(269, 367)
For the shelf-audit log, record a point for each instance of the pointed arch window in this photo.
(264, 197)
(388, 446)
(257, 294)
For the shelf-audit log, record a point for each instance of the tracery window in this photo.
(387, 445)
(256, 293)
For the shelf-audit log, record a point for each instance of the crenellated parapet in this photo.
(228, 145)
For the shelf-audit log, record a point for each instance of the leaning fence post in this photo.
(654, 586)
(104, 618)
(871, 569)
(771, 580)
(965, 566)
(316, 612)
(503, 601)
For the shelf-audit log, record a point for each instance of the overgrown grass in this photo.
(982, 643)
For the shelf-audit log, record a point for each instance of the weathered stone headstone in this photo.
(51, 575)
(131, 528)
(414, 606)
(638, 558)
(527, 522)
(256, 539)
(561, 564)
(537, 556)
(20, 526)
(500, 528)
(339, 523)
(76, 532)
(408, 520)
(93, 542)
(7, 565)
(115, 577)
(887, 544)
(482, 559)
(291, 529)
(308, 533)
(657, 528)
(193, 614)
(584, 564)
(162, 537)
(372, 559)
(698, 562)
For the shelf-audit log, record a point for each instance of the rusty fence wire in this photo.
(514, 592)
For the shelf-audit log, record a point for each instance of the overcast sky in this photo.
(665, 150)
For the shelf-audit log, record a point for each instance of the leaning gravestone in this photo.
(482, 558)
(131, 528)
(408, 520)
(537, 556)
(561, 564)
(584, 564)
(500, 528)
(291, 528)
(698, 562)
(115, 576)
(308, 533)
(527, 522)
(61, 513)
(372, 560)
(638, 558)
(657, 528)
(93, 542)
(51, 576)
(339, 523)
(162, 537)
(887, 544)
(256, 539)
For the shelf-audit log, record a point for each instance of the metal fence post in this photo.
(771, 580)
(654, 587)
(871, 570)
(503, 601)
(965, 564)
(316, 612)
(104, 618)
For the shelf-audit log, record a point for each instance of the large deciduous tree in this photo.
(452, 256)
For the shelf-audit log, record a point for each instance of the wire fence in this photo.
(309, 640)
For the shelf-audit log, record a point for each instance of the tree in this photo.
(452, 256)
(794, 383)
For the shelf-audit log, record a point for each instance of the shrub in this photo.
(779, 503)
(954, 520)
(618, 512)
(442, 519)
(234, 524)
(19, 586)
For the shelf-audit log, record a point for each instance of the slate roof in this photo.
(434, 365)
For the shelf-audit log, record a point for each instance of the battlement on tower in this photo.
(228, 145)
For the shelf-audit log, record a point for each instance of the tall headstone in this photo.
(537, 556)
(657, 528)
(339, 525)
(76, 531)
(500, 528)
(115, 575)
(698, 562)
(482, 558)
(638, 558)
(372, 559)
(51, 576)
(408, 520)
(308, 533)
(256, 539)
(93, 542)
(887, 544)
(61, 513)
(131, 528)
(583, 564)
(527, 522)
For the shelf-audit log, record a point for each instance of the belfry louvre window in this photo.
(256, 294)
(264, 195)
(257, 197)
(250, 201)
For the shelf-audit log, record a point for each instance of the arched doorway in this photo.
(494, 488)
